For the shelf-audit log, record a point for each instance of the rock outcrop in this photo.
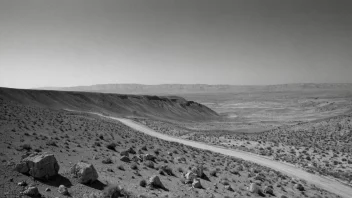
(42, 165)
(85, 172)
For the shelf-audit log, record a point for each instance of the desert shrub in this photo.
(107, 161)
(143, 183)
(111, 146)
(121, 167)
(134, 166)
(26, 147)
(180, 169)
(167, 170)
(144, 148)
(213, 173)
(112, 192)
(51, 143)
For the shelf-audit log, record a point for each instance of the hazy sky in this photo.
(83, 42)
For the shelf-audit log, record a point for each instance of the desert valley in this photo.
(175, 99)
(289, 142)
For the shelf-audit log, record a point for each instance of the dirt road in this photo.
(322, 182)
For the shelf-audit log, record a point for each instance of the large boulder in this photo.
(85, 172)
(39, 165)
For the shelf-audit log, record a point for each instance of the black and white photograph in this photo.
(175, 98)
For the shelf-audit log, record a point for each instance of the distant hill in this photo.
(171, 107)
(166, 89)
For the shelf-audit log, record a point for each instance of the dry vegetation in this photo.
(127, 161)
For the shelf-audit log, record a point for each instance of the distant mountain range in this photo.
(167, 89)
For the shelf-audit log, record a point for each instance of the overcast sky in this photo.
(84, 42)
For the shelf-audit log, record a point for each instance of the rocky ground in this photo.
(321, 147)
(142, 166)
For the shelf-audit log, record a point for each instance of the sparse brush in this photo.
(111, 146)
(121, 167)
(107, 161)
(51, 143)
(134, 166)
(143, 183)
(26, 147)
(180, 169)
(167, 170)
(112, 192)
(149, 164)
(213, 173)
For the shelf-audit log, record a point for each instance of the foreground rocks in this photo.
(39, 166)
(85, 172)
(63, 190)
(31, 191)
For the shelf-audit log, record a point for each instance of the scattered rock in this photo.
(198, 170)
(190, 176)
(125, 159)
(268, 190)
(131, 151)
(85, 172)
(124, 153)
(47, 189)
(253, 188)
(299, 187)
(228, 187)
(22, 183)
(155, 181)
(196, 183)
(148, 157)
(31, 191)
(39, 165)
(63, 190)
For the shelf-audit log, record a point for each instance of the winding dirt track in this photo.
(322, 182)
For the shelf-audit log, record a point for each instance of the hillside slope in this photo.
(115, 104)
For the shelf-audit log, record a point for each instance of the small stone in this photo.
(63, 190)
(125, 159)
(299, 187)
(47, 189)
(268, 190)
(22, 183)
(196, 183)
(155, 181)
(228, 187)
(31, 191)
